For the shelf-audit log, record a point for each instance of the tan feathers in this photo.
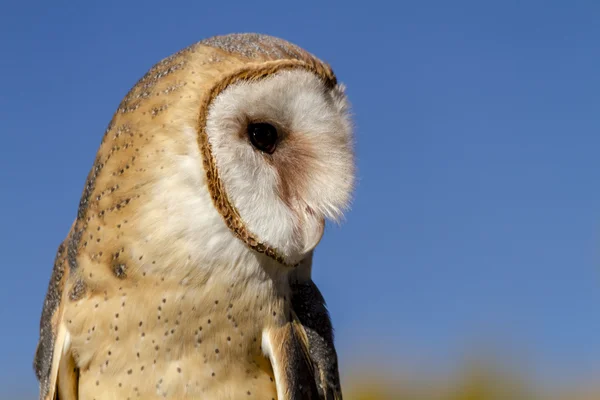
(179, 262)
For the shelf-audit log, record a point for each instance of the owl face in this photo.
(283, 150)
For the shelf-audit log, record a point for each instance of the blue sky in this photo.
(476, 221)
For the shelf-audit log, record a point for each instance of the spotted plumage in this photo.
(186, 273)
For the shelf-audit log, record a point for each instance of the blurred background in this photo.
(468, 266)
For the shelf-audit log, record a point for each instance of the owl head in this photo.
(237, 148)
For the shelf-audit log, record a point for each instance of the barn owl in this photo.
(187, 271)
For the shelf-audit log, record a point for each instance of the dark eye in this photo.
(263, 136)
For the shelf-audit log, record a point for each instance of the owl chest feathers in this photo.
(197, 335)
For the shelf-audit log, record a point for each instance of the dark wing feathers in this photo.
(317, 338)
(42, 363)
(49, 352)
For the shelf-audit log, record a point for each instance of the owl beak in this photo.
(313, 229)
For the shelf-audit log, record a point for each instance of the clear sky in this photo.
(476, 220)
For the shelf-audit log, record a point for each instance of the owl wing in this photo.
(302, 352)
(53, 364)
(313, 319)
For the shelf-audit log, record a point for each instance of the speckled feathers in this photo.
(163, 288)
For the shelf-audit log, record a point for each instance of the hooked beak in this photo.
(313, 227)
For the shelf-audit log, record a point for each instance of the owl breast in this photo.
(175, 341)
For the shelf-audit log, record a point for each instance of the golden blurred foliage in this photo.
(478, 382)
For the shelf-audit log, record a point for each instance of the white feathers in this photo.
(283, 198)
(278, 371)
(182, 220)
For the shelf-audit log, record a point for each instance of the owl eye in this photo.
(263, 136)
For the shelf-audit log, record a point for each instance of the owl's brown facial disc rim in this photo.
(221, 201)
